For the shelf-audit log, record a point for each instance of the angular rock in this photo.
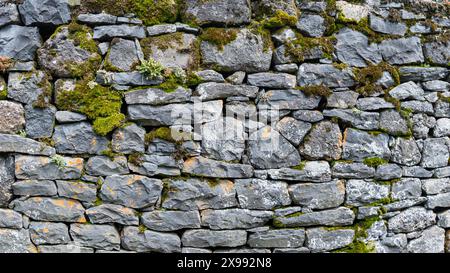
(210, 76)
(9, 14)
(105, 166)
(359, 145)
(293, 130)
(360, 192)
(392, 122)
(352, 170)
(312, 171)
(97, 19)
(133, 78)
(442, 127)
(43, 233)
(407, 90)
(214, 238)
(39, 167)
(85, 192)
(381, 25)
(246, 53)
(318, 195)
(422, 124)
(39, 121)
(334, 217)
(402, 51)
(405, 151)
(51, 209)
(444, 219)
(323, 142)
(269, 8)
(15, 241)
(202, 166)
(261, 194)
(358, 119)
(288, 238)
(212, 90)
(18, 144)
(432, 240)
(158, 164)
(29, 88)
(272, 80)
(288, 99)
(407, 188)
(436, 185)
(344, 99)
(132, 191)
(110, 213)
(321, 239)
(388, 172)
(150, 241)
(10, 219)
(170, 220)
(104, 33)
(6, 179)
(35, 188)
(412, 219)
(312, 25)
(123, 55)
(235, 218)
(436, 85)
(326, 74)
(353, 49)
(417, 73)
(438, 201)
(96, 236)
(69, 248)
(437, 52)
(12, 114)
(155, 96)
(19, 43)
(44, 13)
(231, 12)
(129, 139)
(435, 153)
(416, 171)
(165, 115)
(78, 138)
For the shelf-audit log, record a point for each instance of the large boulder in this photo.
(19, 43)
(45, 12)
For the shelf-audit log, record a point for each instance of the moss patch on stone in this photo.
(136, 158)
(301, 46)
(374, 161)
(316, 90)
(367, 77)
(219, 36)
(163, 133)
(279, 19)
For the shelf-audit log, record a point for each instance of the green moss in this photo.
(47, 141)
(58, 161)
(82, 37)
(300, 166)
(367, 78)
(109, 153)
(3, 94)
(299, 48)
(79, 70)
(316, 90)
(151, 68)
(142, 228)
(358, 245)
(219, 36)
(374, 161)
(98, 202)
(136, 158)
(42, 101)
(162, 42)
(103, 126)
(164, 133)
(279, 19)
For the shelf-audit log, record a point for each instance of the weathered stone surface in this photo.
(344, 99)
(110, 213)
(407, 188)
(312, 171)
(69, 248)
(318, 195)
(444, 219)
(19, 43)
(246, 53)
(438, 201)
(435, 153)
(352, 170)
(422, 124)
(388, 172)
(417, 73)
(78, 138)
(51, 209)
(39, 121)
(359, 145)
(193, 194)
(437, 52)
(358, 119)
(6, 179)
(431, 241)
(392, 122)
(63, 57)
(39, 167)
(18, 144)
(352, 12)
(43, 233)
(326, 74)
(407, 90)
(402, 51)
(29, 87)
(442, 172)
(10, 219)
(360, 192)
(234, 12)
(123, 55)
(210, 76)
(272, 80)
(134, 191)
(261, 194)
(292, 129)
(436, 85)
(412, 219)
(308, 115)
(353, 49)
(47, 12)
(405, 151)
(133, 78)
(442, 127)
(155, 164)
(334, 217)
(15, 241)
(436, 185)
(9, 14)
(212, 90)
(104, 33)
(105, 166)
(202, 166)
(96, 236)
(323, 142)
(288, 99)
(12, 114)
(85, 192)
(164, 115)
(35, 188)
(321, 239)
(171, 220)
(277, 238)
(392, 244)
(387, 27)
(155, 96)
(312, 25)
(214, 238)
(128, 139)
(97, 19)
(149, 241)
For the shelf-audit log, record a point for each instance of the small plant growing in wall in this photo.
(58, 161)
(151, 68)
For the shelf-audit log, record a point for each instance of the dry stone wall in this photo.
(224, 126)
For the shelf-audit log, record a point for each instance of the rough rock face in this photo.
(214, 126)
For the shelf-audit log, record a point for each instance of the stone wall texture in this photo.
(243, 126)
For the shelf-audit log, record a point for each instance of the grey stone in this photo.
(352, 170)
(272, 80)
(51, 209)
(438, 201)
(231, 12)
(353, 49)
(235, 218)
(134, 191)
(288, 99)
(442, 110)
(69, 248)
(420, 28)
(406, 188)
(62, 57)
(35, 188)
(392, 244)
(97, 19)
(402, 51)
(105, 166)
(121, 31)
(442, 172)
(150, 241)
(214, 238)
(236, 78)
(308, 115)
(286, 68)
(96, 236)
(246, 53)
(194, 194)
(353, 12)
(164, 115)
(261, 194)
(388, 172)
(344, 99)
(442, 127)
(122, 55)
(436, 85)
(18, 144)
(210, 76)
(47, 12)
(312, 6)
(43, 233)
(285, 238)
(334, 217)
(360, 192)
(156, 30)
(359, 145)
(133, 78)
(326, 74)
(358, 119)
(384, 26)
(170, 220)
(323, 142)
(407, 90)
(312, 25)
(437, 52)
(269, 8)
(422, 124)
(210, 168)
(85, 192)
(156, 96)
(9, 14)
(292, 250)
(312, 171)
(156, 164)
(110, 213)
(318, 195)
(435, 153)
(15, 241)
(444, 219)
(29, 88)
(78, 138)
(6, 179)
(373, 103)
(417, 73)
(412, 219)
(431, 241)
(405, 151)
(293, 130)
(436, 185)
(129, 139)
(12, 117)
(321, 239)
(10, 219)
(366, 212)
(392, 122)
(39, 121)
(40, 167)
(212, 90)
(19, 43)
(195, 250)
